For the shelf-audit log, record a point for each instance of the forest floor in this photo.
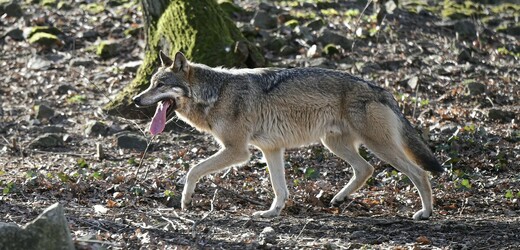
(454, 68)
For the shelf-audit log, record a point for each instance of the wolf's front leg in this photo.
(224, 158)
(274, 160)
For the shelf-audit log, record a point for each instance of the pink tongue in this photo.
(159, 119)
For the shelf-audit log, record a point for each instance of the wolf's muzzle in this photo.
(137, 100)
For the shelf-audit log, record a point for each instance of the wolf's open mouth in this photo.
(164, 108)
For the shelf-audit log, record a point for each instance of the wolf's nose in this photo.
(137, 100)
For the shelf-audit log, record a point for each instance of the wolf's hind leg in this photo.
(224, 158)
(395, 156)
(275, 165)
(345, 148)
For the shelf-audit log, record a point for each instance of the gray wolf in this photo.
(274, 109)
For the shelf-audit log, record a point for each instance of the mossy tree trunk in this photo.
(198, 28)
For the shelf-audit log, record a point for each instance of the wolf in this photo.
(274, 109)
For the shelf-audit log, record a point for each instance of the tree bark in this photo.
(198, 28)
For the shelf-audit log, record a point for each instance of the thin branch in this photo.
(194, 227)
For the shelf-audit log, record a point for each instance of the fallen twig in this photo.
(193, 228)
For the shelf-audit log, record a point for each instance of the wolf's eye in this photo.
(160, 84)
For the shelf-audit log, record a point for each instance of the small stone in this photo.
(315, 24)
(501, 115)
(45, 39)
(47, 140)
(89, 35)
(412, 82)
(38, 63)
(131, 141)
(264, 20)
(31, 31)
(15, 33)
(511, 30)
(268, 235)
(330, 37)
(11, 8)
(65, 89)
(465, 28)
(287, 50)
(330, 50)
(53, 129)
(79, 61)
(96, 128)
(107, 50)
(43, 111)
(292, 23)
(276, 44)
(476, 88)
(63, 5)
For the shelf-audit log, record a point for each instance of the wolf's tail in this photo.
(418, 151)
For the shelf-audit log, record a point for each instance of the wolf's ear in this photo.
(180, 63)
(165, 60)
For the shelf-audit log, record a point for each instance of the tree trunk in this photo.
(198, 28)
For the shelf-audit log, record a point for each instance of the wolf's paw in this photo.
(185, 203)
(422, 215)
(267, 214)
(336, 202)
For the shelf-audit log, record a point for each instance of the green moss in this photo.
(292, 23)
(133, 31)
(45, 39)
(44, 29)
(63, 5)
(330, 50)
(93, 8)
(229, 7)
(453, 10)
(106, 50)
(204, 35)
(49, 3)
(330, 12)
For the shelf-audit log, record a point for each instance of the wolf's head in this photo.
(169, 89)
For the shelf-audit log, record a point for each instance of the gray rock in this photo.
(315, 24)
(511, 30)
(465, 28)
(38, 63)
(11, 8)
(276, 44)
(43, 111)
(89, 34)
(53, 129)
(330, 37)
(15, 34)
(96, 128)
(288, 50)
(268, 235)
(79, 61)
(131, 141)
(305, 33)
(49, 230)
(65, 89)
(501, 115)
(264, 20)
(47, 140)
(476, 88)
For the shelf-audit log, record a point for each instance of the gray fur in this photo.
(274, 109)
